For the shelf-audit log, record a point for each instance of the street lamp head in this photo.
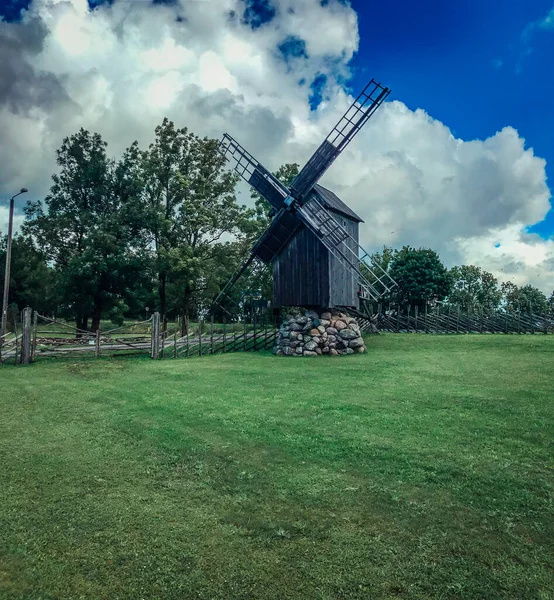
(23, 190)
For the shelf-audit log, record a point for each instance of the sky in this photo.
(458, 159)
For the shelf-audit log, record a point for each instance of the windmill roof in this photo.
(330, 200)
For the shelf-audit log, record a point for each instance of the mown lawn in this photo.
(423, 469)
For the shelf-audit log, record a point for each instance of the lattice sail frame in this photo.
(340, 243)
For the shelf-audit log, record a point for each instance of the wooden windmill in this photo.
(313, 242)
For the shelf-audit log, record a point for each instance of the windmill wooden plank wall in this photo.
(306, 274)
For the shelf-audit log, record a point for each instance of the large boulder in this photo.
(348, 334)
(310, 346)
(339, 325)
(331, 331)
(356, 343)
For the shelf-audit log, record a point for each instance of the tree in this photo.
(551, 302)
(89, 231)
(192, 207)
(527, 299)
(32, 281)
(421, 277)
(472, 286)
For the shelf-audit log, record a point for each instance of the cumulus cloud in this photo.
(215, 67)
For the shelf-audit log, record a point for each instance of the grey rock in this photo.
(316, 339)
(311, 314)
(295, 326)
(285, 334)
(302, 320)
(326, 350)
(347, 334)
(333, 352)
(318, 351)
(324, 322)
(287, 350)
(299, 350)
(310, 345)
(339, 325)
(331, 338)
(293, 335)
(299, 337)
(321, 329)
(309, 353)
(293, 344)
(308, 325)
(331, 331)
(349, 351)
(356, 343)
(326, 316)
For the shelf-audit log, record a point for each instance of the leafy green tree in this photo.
(86, 231)
(526, 299)
(551, 302)
(192, 209)
(471, 286)
(421, 277)
(32, 281)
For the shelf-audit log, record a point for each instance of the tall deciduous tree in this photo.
(471, 286)
(421, 277)
(88, 230)
(32, 281)
(526, 299)
(192, 208)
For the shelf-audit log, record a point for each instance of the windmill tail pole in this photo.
(234, 278)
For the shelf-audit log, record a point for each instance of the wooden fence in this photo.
(36, 336)
(453, 320)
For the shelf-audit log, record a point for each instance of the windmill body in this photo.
(312, 243)
(305, 273)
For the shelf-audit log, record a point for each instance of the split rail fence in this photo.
(453, 320)
(37, 336)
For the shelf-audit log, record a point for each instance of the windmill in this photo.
(312, 241)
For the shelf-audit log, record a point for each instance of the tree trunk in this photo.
(81, 321)
(162, 282)
(96, 314)
(185, 313)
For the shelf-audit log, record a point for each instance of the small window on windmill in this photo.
(344, 222)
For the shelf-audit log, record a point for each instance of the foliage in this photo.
(32, 281)
(426, 472)
(421, 277)
(191, 209)
(86, 231)
(527, 299)
(471, 287)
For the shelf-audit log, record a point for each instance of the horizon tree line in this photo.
(161, 228)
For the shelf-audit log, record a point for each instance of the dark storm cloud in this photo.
(22, 86)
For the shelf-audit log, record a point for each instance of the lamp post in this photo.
(8, 264)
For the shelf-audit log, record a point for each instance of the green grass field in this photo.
(423, 469)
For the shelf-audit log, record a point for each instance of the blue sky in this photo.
(481, 70)
(468, 64)
(475, 65)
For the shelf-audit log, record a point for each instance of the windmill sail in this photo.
(373, 95)
(373, 279)
(253, 172)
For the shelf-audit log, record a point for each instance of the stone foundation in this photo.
(312, 334)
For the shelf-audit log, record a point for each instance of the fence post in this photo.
(187, 325)
(200, 329)
(416, 311)
(175, 345)
(16, 340)
(34, 343)
(97, 343)
(224, 336)
(425, 317)
(212, 335)
(244, 341)
(26, 336)
(155, 346)
(458, 320)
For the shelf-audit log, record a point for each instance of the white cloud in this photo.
(121, 68)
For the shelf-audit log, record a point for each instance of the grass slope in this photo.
(421, 469)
